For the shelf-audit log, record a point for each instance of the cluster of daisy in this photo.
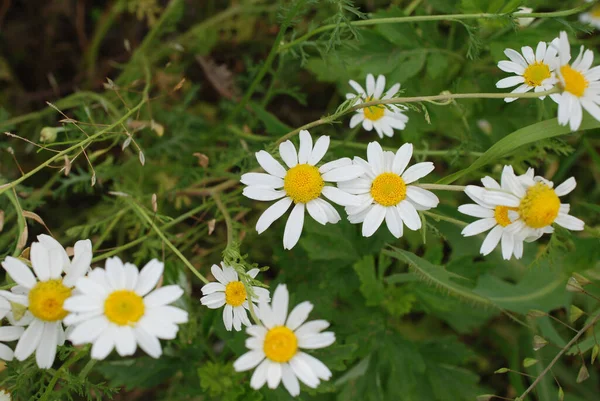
(383, 188)
(549, 67)
(58, 298)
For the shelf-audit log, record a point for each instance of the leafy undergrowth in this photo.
(157, 108)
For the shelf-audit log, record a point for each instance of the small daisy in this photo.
(230, 291)
(384, 192)
(592, 17)
(275, 347)
(385, 119)
(533, 205)
(44, 294)
(492, 217)
(302, 184)
(118, 307)
(533, 70)
(580, 83)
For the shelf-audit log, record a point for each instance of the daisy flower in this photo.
(44, 294)
(384, 192)
(532, 70)
(494, 218)
(275, 347)
(591, 17)
(384, 119)
(230, 291)
(118, 307)
(533, 204)
(302, 184)
(580, 83)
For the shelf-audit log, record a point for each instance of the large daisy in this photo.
(580, 83)
(533, 204)
(384, 191)
(44, 294)
(119, 307)
(385, 119)
(494, 218)
(302, 184)
(230, 292)
(533, 70)
(275, 347)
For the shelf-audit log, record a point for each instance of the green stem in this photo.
(12, 195)
(438, 217)
(439, 187)
(86, 141)
(270, 58)
(226, 217)
(162, 236)
(145, 237)
(74, 358)
(427, 18)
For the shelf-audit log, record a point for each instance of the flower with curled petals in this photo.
(119, 307)
(44, 294)
(384, 191)
(302, 184)
(385, 119)
(276, 347)
(230, 292)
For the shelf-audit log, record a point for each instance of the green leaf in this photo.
(273, 125)
(370, 286)
(531, 134)
(398, 301)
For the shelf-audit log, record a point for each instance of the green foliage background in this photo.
(420, 318)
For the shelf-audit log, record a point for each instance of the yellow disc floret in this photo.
(235, 293)
(46, 300)
(595, 11)
(124, 307)
(303, 183)
(388, 189)
(540, 206)
(575, 81)
(373, 113)
(501, 215)
(280, 344)
(536, 73)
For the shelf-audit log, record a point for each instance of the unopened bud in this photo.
(49, 134)
(573, 285)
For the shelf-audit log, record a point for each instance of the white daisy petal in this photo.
(566, 187)
(343, 162)
(261, 180)
(319, 150)
(339, 196)
(422, 196)
(479, 226)
(298, 315)
(303, 372)
(275, 211)
(249, 360)
(373, 220)
(476, 210)
(409, 215)
(394, 222)
(46, 350)
(280, 304)
(402, 158)
(417, 171)
(289, 379)
(316, 212)
(269, 164)
(491, 240)
(149, 276)
(262, 194)
(19, 272)
(508, 244)
(343, 173)
(163, 296)
(288, 153)
(273, 375)
(293, 227)
(147, 342)
(569, 222)
(39, 261)
(306, 146)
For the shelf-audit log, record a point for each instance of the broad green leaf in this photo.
(533, 133)
(371, 288)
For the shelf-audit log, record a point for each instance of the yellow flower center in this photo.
(388, 189)
(280, 344)
(303, 183)
(540, 206)
(536, 73)
(575, 82)
(596, 11)
(235, 293)
(46, 300)
(373, 113)
(501, 215)
(124, 307)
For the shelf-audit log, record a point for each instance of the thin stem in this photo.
(22, 223)
(74, 358)
(427, 18)
(557, 357)
(439, 217)
(226, 217)
(439, 187)
(267, 64)
(162, 236)
(86, 141)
